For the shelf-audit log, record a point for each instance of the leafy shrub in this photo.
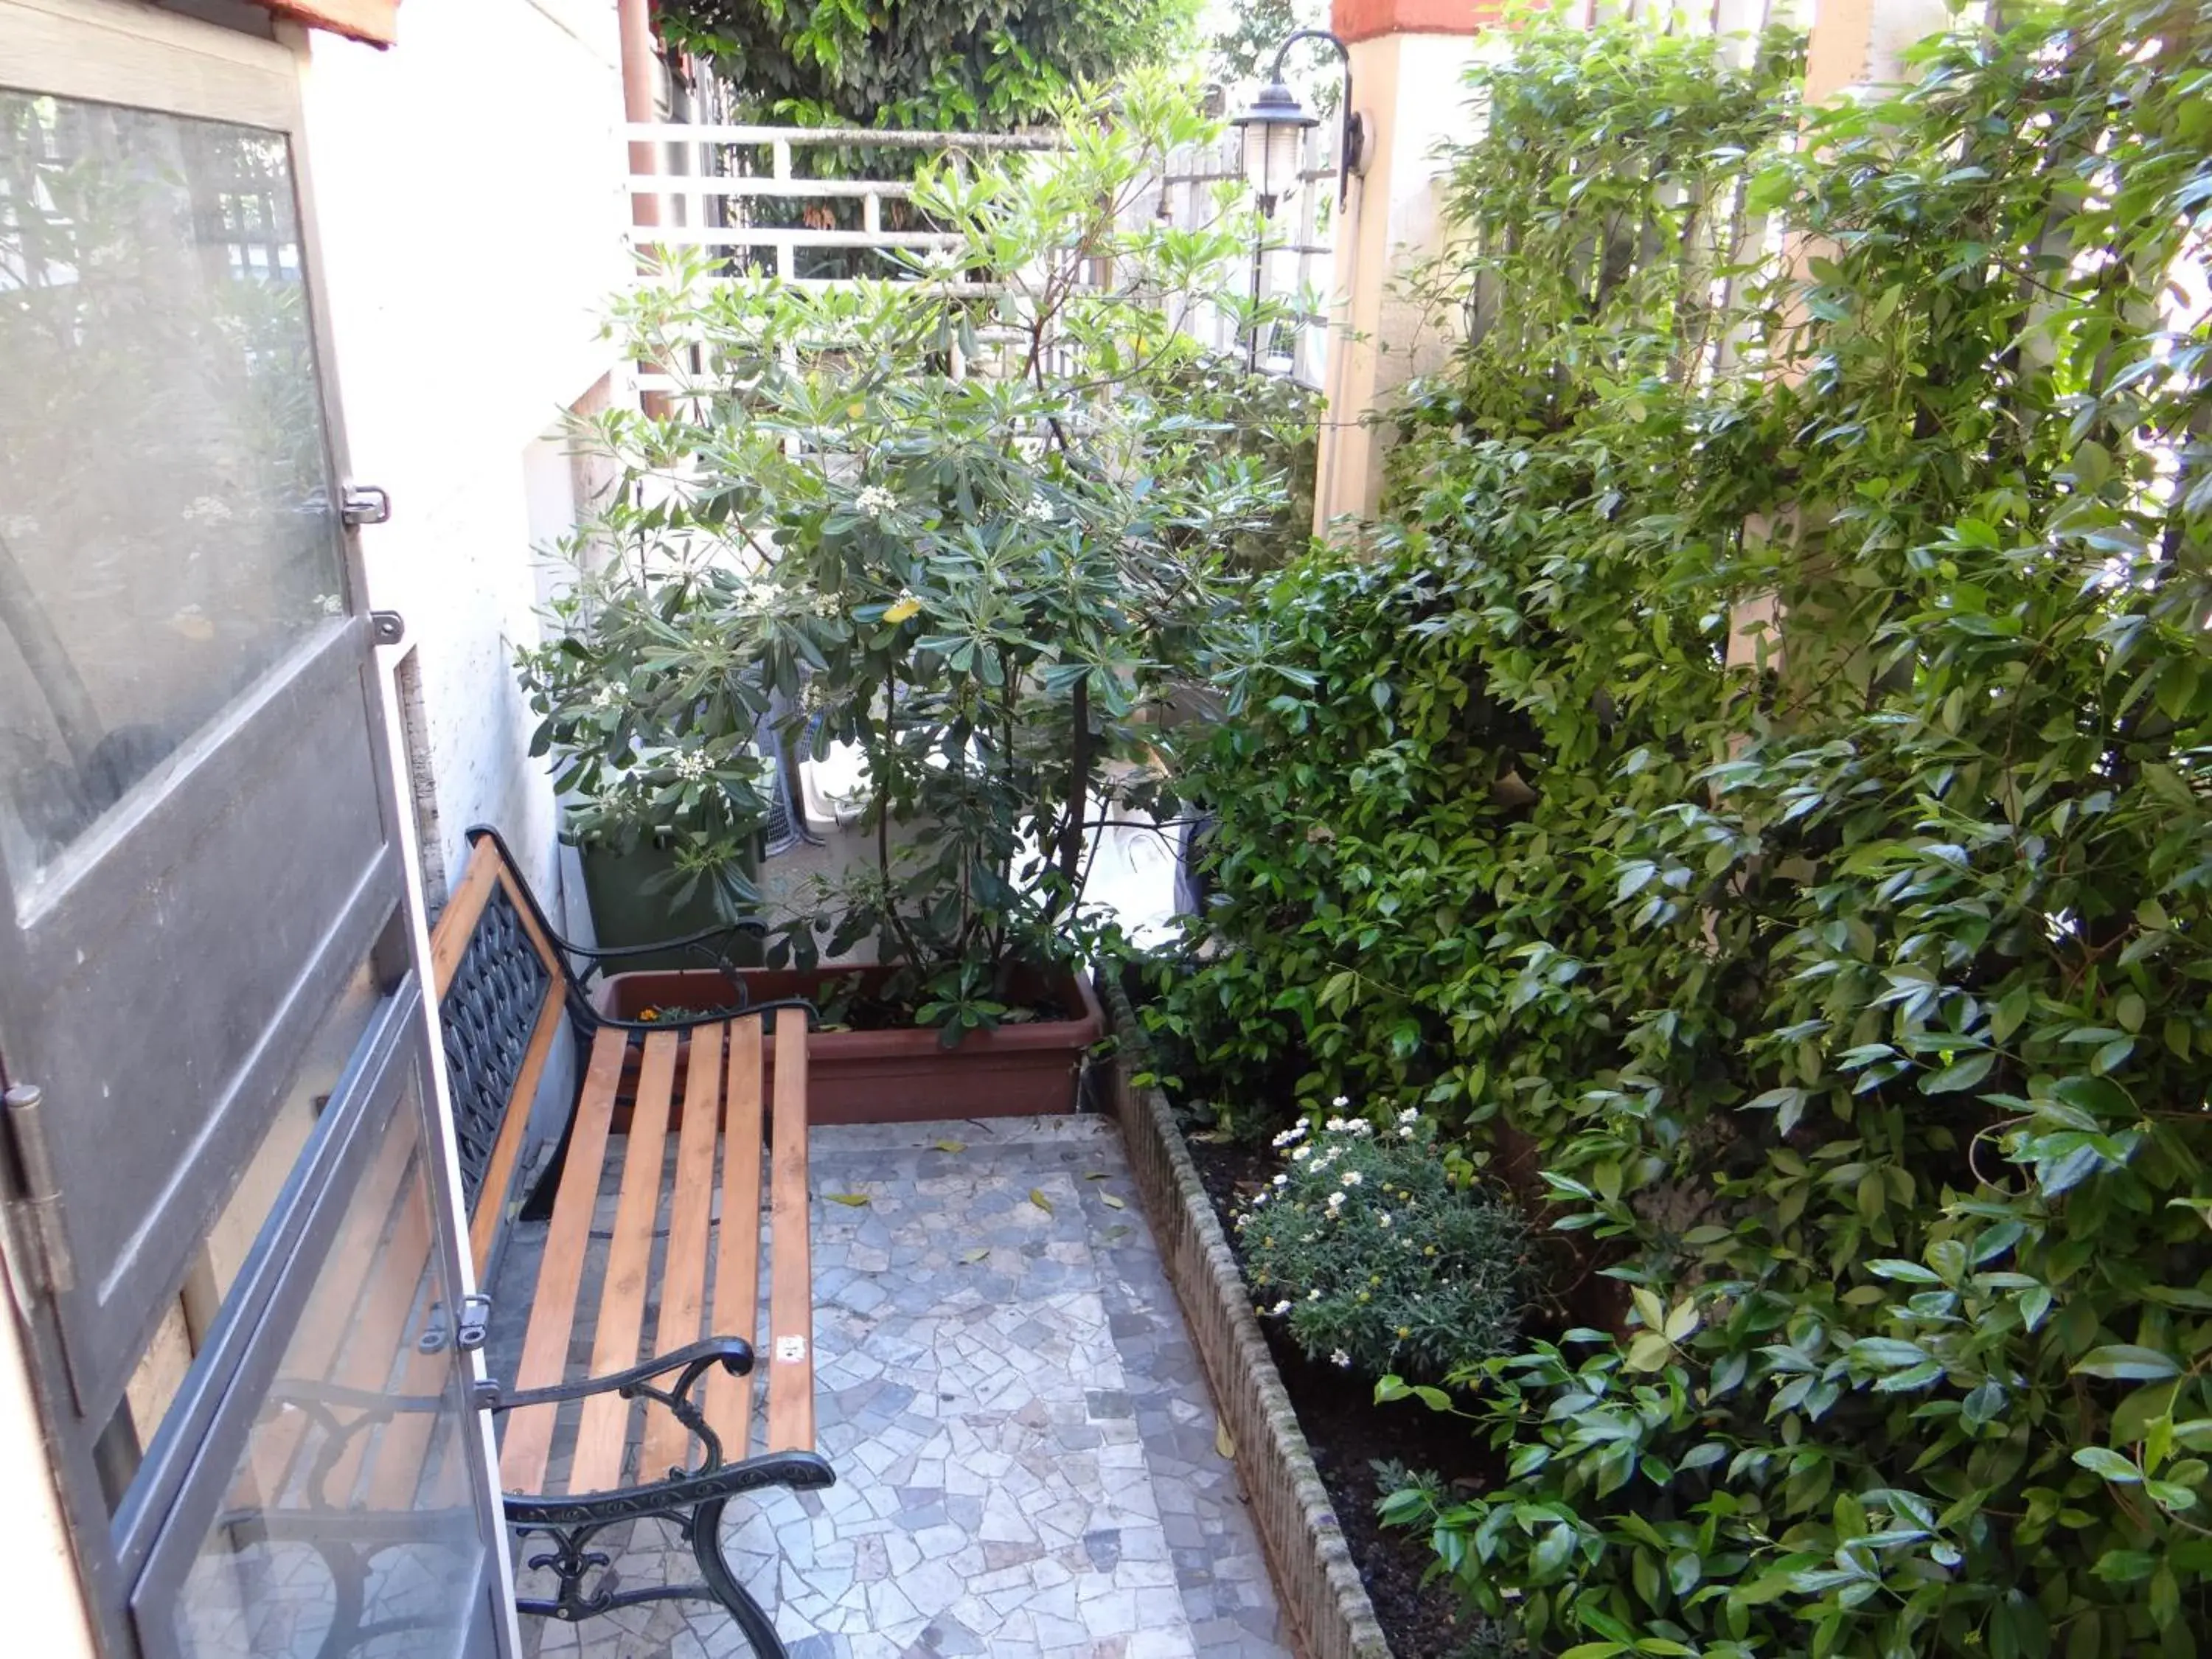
(971, 523)
(649, 746)
(1378, 1261)
(1845, 975)
(964, 66)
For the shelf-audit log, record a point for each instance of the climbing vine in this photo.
(1755, 795)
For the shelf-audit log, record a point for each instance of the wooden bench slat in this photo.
(600, 1436)
(691, 1206)
(529, 1439)
(323, 1328)
(791, 1290)
(494, 1205)
(395, 1479)
(378, 1335)
(737, 1267)
(449, 940)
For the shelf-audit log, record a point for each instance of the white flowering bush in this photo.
(1378, 1261)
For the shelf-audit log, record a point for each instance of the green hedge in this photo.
(1853, 1003)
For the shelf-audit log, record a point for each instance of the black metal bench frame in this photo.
(488, 1011)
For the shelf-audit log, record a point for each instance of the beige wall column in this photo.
(1408, 56)
(1853, 46)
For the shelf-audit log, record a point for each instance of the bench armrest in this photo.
(733, 1353)
(799, 1471)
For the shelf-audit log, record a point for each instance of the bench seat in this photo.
(715, 1070)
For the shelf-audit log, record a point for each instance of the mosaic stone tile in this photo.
(1024, 1440)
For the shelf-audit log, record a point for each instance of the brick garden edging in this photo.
(1322, 1592)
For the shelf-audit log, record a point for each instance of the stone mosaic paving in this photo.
(1024, 1443)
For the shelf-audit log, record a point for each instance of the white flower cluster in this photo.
(875, 501)
(1039, 511)
(690, 766)
(609, 695)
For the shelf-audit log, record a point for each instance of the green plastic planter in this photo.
(627, 909)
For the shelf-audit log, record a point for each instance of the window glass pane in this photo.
(348, 1524)
(215, 1265)
(166, 531)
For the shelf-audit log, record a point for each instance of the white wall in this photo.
(50, 1618)
(468, 190)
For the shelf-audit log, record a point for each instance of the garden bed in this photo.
(1349, 1434)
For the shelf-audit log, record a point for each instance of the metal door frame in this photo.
(164, 1528)
(116, 53)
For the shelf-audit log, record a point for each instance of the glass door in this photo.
(211, 1028)
(332, 1508)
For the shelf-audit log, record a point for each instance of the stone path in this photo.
(1024, 1443)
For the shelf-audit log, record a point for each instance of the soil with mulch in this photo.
(1349, 1434)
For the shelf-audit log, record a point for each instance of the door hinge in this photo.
(363, 504)
(386, 627)
(40, 1199)
(467, 1333)
(476, 1321)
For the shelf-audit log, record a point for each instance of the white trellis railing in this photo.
(1293, 261)
(748, 189)
(759, 195)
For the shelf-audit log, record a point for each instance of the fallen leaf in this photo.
(1222, 1443)
(1037, 1198)
(1096, 1174)
(976, 1255)
(1211, 1137)
(1112, 1202)
(852, 1200)
(1114, 1233)
(950, 1145)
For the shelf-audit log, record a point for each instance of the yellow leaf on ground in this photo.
(950, 1145)
(851, 1200)
(1112, 1202)
(975, 1255)
(1222, 1443)
(1037, 1198)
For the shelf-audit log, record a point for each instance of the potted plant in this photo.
(653, 741)
(972, 523)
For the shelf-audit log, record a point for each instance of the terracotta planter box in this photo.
(896, 1077)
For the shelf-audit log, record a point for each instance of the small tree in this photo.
(972, 523)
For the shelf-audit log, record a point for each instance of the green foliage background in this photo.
(952, 65)
(1853, 1003)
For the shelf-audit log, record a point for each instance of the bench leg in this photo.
(714, 1567)
(572, 1558)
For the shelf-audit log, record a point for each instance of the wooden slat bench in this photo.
(659, 1421)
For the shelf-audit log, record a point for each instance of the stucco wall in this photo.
(468, 190)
